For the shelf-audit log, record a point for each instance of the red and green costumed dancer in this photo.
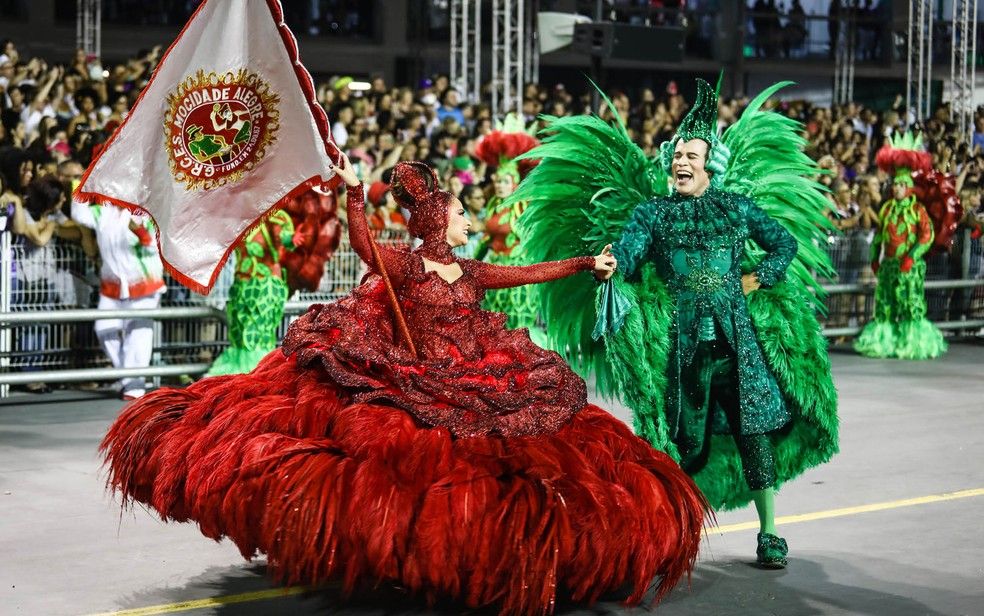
(900, 328)
(501, 244)
(257, 296)
(282, 254)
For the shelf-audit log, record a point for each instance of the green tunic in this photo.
(697, 245)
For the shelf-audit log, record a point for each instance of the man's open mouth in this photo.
(683, 176)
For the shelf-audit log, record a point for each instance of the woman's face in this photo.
(458, 224)
(26, 173)
(874, 188)
(455, 185)
(475, 201)
(504, 185)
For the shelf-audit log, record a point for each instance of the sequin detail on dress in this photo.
(474, 376)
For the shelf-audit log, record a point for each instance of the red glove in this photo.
(874, 266)
(143, 235)
(907, 263)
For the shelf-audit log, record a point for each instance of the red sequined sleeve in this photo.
(395, 261)
(490, 276)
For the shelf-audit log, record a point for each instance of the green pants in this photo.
(710, 405)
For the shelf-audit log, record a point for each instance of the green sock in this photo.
(765, 505)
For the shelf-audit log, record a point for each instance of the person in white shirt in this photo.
(131, 278)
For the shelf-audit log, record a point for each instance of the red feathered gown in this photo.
(478, 472)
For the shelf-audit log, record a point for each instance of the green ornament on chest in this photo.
(703, 281)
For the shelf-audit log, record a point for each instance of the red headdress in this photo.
(416, 188)
(500, 148)
(903, 155)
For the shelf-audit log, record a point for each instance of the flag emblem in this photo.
(217, 127)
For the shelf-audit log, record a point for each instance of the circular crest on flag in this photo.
(217, 127)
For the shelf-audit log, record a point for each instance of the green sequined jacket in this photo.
(697, 245)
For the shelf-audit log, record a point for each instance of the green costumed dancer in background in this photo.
(501, 244)
(257, 295)
(709, 325)
(905, 233)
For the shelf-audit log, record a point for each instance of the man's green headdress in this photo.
(701, 121)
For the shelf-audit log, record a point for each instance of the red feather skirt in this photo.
(279, 462)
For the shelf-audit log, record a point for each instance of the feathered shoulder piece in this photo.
(768, 165)
(937, 192)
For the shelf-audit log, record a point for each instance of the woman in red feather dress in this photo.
(471, 468)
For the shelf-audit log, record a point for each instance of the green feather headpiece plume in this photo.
(701, 121)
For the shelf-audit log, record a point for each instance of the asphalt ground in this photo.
(893, 525)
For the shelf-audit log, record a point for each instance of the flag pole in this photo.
(397, 311)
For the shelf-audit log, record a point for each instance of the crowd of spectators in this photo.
(51, 116)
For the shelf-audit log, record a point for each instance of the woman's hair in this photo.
(11, 159)
(408, 196)
(42, 195)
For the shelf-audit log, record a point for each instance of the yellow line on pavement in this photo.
(274, 593)
(199, 604)
(837, 513)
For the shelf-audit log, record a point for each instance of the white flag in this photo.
(227, 130)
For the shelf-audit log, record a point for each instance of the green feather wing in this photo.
(590, 178)
(768, 164)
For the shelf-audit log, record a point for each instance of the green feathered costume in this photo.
(900, 328)
(588, 186)
(257, 296)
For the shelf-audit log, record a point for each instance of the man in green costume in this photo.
(709, 325)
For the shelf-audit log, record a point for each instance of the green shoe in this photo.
(771, 552)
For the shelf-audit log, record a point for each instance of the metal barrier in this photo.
(48, 298)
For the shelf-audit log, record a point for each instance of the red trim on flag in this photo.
(304, 186)
(306, 83)
(304, 79)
